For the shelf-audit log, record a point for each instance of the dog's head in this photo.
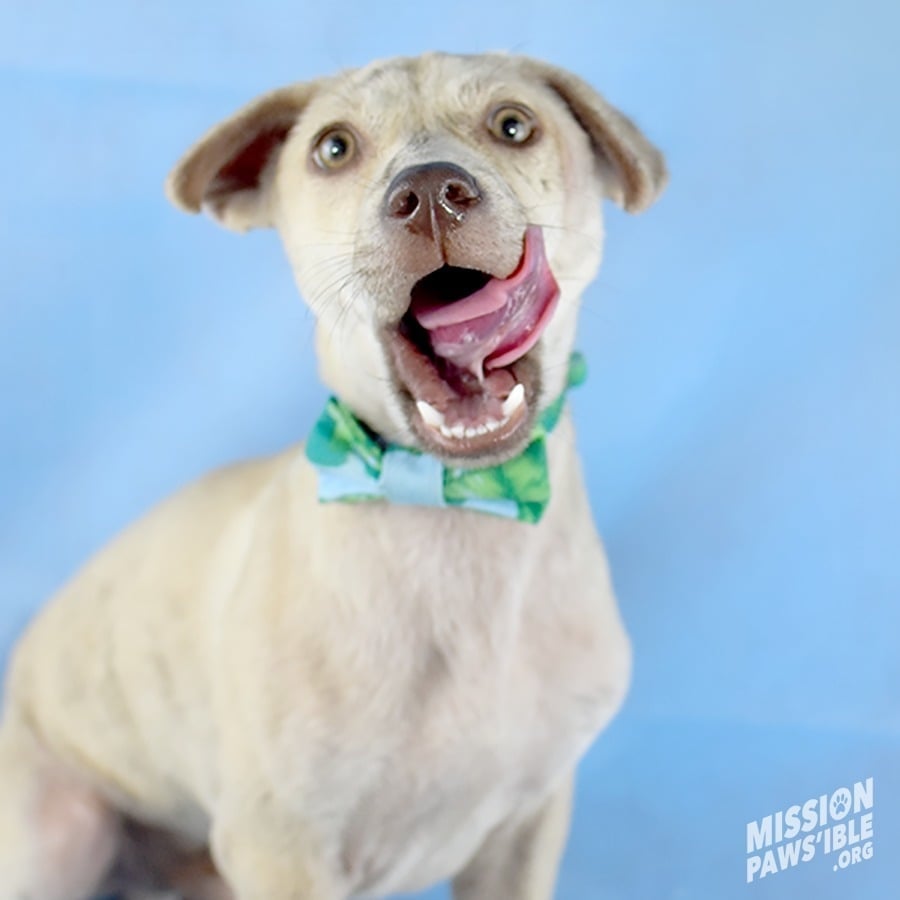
(442, 217)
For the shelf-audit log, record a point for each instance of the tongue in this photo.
(498, 324)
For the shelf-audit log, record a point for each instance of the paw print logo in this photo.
(840, 803)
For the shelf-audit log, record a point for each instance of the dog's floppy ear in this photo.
(226, 172)
(638, 169)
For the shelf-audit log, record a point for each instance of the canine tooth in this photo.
(515, 399)
(430, 415)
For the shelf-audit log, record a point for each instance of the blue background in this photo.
(741, 428)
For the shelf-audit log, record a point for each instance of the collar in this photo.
(356, 465)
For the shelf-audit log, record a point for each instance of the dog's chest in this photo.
(478, 697)
(475, 754)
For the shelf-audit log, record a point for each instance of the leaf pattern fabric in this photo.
(355, 465)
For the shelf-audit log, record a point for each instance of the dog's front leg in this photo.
(267, 858)
(519, 860)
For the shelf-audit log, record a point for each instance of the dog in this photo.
(302, 679)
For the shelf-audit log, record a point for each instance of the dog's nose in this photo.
(431, 197)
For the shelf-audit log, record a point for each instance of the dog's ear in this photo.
(226, 173)
(635, 168)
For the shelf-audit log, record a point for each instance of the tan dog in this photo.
(356, 699)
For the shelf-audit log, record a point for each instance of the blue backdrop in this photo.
(741, 428)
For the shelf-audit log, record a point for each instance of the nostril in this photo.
(404, 204)
(459, 193)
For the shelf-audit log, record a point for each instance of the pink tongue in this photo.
(500, 323)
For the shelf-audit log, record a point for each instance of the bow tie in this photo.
(355, 465)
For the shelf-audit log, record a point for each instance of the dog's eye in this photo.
(334, 148)
(512, 124)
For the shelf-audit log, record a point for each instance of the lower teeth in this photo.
(514, 400)
(470, 431)
(434, 418)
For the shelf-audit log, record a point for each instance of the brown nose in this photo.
(431, 197)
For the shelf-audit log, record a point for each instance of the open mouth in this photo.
(461, 353)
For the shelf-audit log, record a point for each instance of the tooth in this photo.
(445, 431)
(471, 431)
(458, 430)
(491, 425)
(430, 415)
(481, 429)
(515, 399)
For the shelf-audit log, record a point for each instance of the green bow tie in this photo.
(355, 465)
